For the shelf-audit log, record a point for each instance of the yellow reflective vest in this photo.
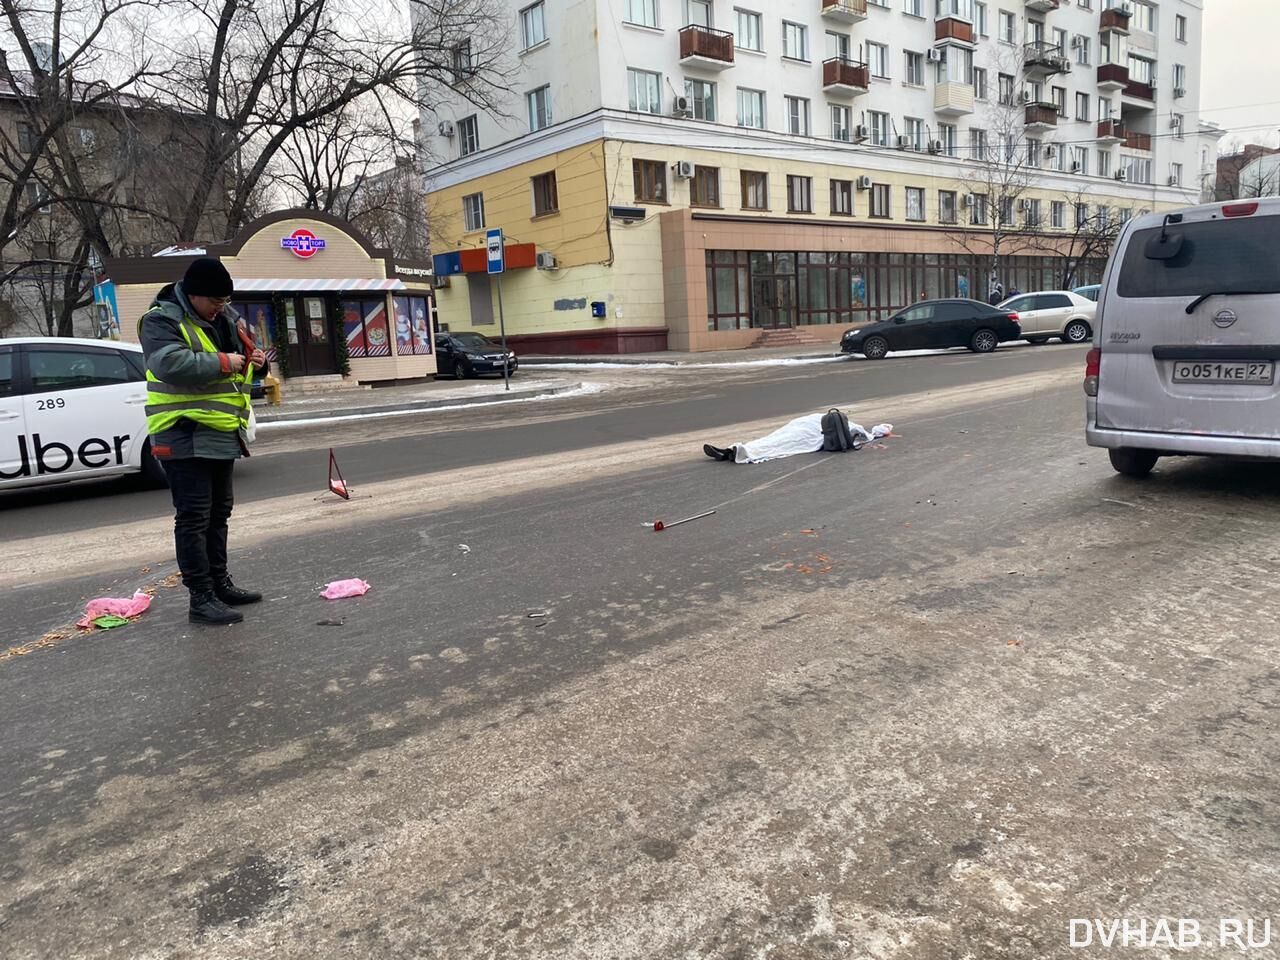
(221, 404)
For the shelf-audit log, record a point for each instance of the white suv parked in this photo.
(1188, 337)
(1053, 313)
(72, 410)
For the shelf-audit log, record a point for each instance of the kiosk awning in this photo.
(262, 285)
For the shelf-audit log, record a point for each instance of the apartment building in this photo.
(692, 173)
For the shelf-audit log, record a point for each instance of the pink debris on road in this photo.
(341, 589)
(128, 608)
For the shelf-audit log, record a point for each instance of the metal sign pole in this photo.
(502, 321)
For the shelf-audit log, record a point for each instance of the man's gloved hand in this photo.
(259, 359)
(235, 362)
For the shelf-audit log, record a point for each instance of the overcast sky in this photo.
(1242, 68)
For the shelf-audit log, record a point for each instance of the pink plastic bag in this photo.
(115, 606)
(341, 589)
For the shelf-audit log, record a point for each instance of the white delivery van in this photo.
(72, 410)
(1188, 338)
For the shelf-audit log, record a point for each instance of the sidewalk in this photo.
(804, 351)
(399, 399)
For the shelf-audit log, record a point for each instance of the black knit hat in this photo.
(207, 277)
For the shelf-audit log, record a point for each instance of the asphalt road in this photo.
(934, 699)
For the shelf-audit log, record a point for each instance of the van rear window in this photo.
(1217, 256)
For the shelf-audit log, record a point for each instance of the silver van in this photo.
(1188, 338)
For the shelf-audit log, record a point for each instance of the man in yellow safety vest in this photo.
(198, 382)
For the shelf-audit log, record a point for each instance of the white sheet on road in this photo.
(801, 435)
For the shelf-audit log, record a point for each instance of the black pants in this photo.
(202, 500)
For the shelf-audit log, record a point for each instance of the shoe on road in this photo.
(233, 596)
(207, 608)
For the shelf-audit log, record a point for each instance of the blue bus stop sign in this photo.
(497, 251)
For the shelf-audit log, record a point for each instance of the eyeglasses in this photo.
(220, 302)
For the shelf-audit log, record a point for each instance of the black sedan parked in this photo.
(933, 324)
(471, 354)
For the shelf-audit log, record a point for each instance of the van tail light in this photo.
(1240, 209)
(1092, 366)
(1015, 319)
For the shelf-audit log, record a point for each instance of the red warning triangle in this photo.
(336, 483)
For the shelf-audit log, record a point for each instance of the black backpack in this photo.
(836, 437)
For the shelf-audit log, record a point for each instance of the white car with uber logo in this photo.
(72, 410)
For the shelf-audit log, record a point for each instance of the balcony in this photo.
(1043, 60)
(1116, 20)
(845, 78)
(1138, 96)
(1043, 6)
(949, 28)
(1041, 117)
(706, 48)
(1111, 131)
(845, 11)
(1138, 141)
(953, 99)
(1112, 77)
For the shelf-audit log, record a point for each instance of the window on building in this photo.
(463, 65)
(364, 324)
(799, 194)
(643, 12)
(468, 135)
(915, 132)
(1180, 28)
(1004, 89)
(839, 45)
(956, 66)
(1144, 17)
(1179, 80)
(880, 201)
(1080, 159)
(955, 8)
(704, 189)
(1008, 27)
(1141, 69)
(1058, 214)
(878, 59)
(1006, 210)
(1104, 163)
(1138, 169)
(650, 177)
(545, 198)
(755, 190)
(914, 8)
(473, 211)
(946, 206)
(1082, 106)
(1034, 150)
(645, 89)
(914, 63)
(699, 13)
(915, 203)
(533, 24)
(1104, 108)
(978, 210)
(980, 19)
(750, 108)
(842, 198)
(702, 99)
(1083, 51)
(728, 290)
(1082, 215)
(795, 40)
(1104, 216)
(980, 83)
(977, 143)
(26, 137)
(1031, 214)
(947, 133)
(1176, 174)
(841, 120)
(879, 128)
(413, 324)
(539, 108)
(1176, 121)
(747, 35)
(797, 115)
(1060, 100)
(1060, 41)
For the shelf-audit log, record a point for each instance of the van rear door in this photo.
(1173, 362)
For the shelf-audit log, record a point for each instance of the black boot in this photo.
(232, 595)
(207, 608)
(715, 453)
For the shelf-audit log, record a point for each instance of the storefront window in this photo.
(261, 319)
(364, 324)
(728, 302)
(413, 325)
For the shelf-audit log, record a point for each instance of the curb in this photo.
(595, 361)
(291, 416)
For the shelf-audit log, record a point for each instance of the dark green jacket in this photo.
(172, 361)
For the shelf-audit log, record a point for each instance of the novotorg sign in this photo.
(303, 243)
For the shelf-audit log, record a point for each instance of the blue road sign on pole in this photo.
(497, 251)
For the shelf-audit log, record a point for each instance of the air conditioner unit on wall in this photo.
(546, 261)
(860, 133)
(446, 128)
(680, 106)
(1173, 180)
(683, 169)
(1179, 92)
(933, 55)
(904, 142)
(969, 200)
(864, 183)
(1122, 175)
(935, 146)
(1077, 42)
(1075, 168)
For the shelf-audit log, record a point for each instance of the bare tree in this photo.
(1087, 236)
